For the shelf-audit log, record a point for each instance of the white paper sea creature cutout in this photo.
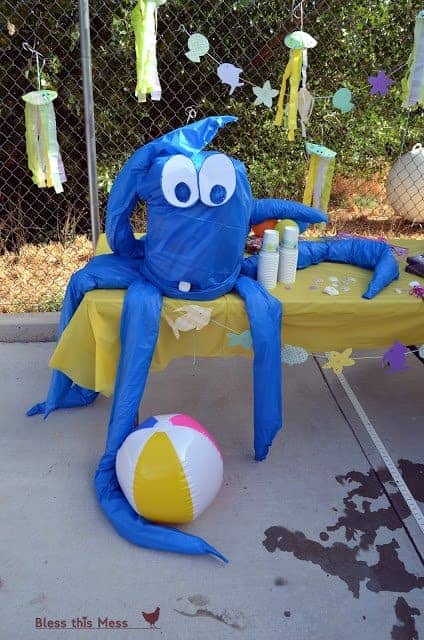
(194, 317)
(265, 94)
(229, 74)
(198, 46)
(293, 355)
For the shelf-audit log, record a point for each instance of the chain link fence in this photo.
(44, 236)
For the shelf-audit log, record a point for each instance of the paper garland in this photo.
(195, 317)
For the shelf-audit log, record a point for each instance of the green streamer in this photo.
(144, 24)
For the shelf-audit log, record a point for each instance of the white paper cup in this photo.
(287, 265)
(268, 269)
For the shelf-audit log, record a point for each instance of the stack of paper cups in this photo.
(288, 255)
(268, 259)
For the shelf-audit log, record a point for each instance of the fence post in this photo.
(90, 134)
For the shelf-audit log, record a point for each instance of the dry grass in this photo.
(36, 278)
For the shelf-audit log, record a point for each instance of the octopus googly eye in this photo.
(217, 180)
(179, 182)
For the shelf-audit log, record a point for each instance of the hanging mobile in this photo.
(44, 159)
(144, 23)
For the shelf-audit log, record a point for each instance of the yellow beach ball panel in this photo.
(160, 489)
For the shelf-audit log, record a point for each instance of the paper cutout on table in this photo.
(293, 355)
(198, 46)
(338, 360)
(229, 74)
(380, 83)
(243, 340)
(265, 94)
(331, 291)
(395, 358)
(417, 291)
(342, 100)
(194, 317)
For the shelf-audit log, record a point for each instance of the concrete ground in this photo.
(316, 550)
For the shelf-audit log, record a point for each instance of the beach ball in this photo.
(169, 469)
(405, 185)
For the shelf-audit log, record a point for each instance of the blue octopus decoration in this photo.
(200, 209)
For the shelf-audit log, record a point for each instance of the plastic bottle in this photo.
(268, 260)
(288, 255)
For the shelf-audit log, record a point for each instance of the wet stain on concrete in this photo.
(390, 573)
(413, 474)
(405, 614)
(338, 560)
(280, 582)
(367, 522)
(368, 484)
(361, 526)
(287, 614)
(1, 583)
(225, 617)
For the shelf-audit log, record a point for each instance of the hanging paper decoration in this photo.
(265, 94)
(293, 355)
(320, 176)
(380, 83)
(44, 159)
(229, 74)
(198, 46)
(395, 357)
(413, 82)
(296, 71)
(305, 105)
(337, 361)
(342, 100)
(144, 23)
(243, 340)
(194, 317)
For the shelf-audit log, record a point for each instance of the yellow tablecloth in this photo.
(88, 351)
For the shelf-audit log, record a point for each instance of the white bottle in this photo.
(268, 260)
(288, 255)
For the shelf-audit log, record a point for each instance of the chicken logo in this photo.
(152, 618)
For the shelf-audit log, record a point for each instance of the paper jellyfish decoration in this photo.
(405, 185)
(296, 71)
(144, 23)
(320, 176)
(413, 82)
(44, 159)
(200, 208)
(169, 469)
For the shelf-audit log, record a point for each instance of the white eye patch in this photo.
(217, 180)
(179, 182)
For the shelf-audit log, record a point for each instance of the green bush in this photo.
(355, 38)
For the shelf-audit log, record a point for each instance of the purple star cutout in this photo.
(380, 83)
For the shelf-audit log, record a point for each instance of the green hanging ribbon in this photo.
(44, 159)
(144, 24)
